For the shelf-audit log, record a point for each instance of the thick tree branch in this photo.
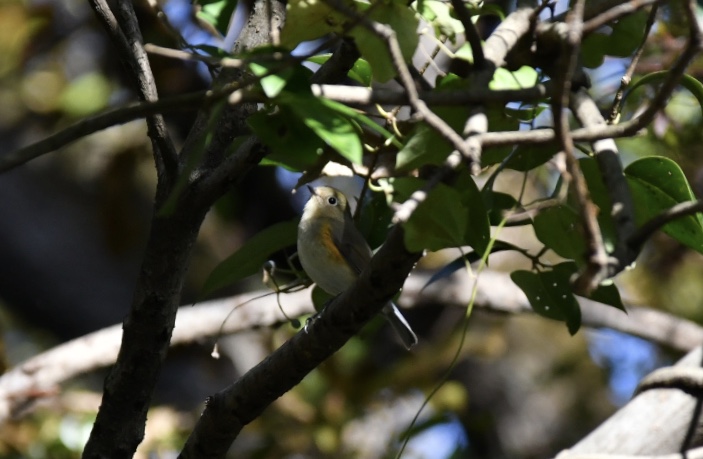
(687, 379)
(696, 453)
(336, 68)
(228, 411)
(654, 423)
(119, 426)
(622, 208)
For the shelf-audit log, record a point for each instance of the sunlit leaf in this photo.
(336, 130)
(217, 13)
(307, 20)
(86, 94)
(398, 16)
(524, 77)
(272, 82)
(439, 15)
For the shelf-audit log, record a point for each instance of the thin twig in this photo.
(627, 77)
(680, 210)
(615, 13)
(597, 257)
(189, 56)
(350, 95)
(125, 34)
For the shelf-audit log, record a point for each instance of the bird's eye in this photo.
(332, 201)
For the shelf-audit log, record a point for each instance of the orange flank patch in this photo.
(328, 242)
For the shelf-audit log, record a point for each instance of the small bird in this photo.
(333, 252)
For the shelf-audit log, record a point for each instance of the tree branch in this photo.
(228, 411)
(125, 34)
(497, 46)
(496, 293)
(627, 77)
(684, 209)
(470, 32)
(616, 12)
(119, 426)
(654, 423)
(696, 453)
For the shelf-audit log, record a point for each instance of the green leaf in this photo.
(657, 184)
(293, 145)
(404, 23)
(526, 157)
(608, 294)
(249, 259)
(319, 298)
(85, 95)
(497, 203)
(549, 294)
(478, 229)
(439, 15)
(361, 119)
(336, 130)
(601, 198)
(275, 79)
(438, 222)
(498, 120)
(687, 81)
(307, 20)
(425, 146)
(524, 77)
(559, 228)
(217, 13)
(375, 218)
(623, 40)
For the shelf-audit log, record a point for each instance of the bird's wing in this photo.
(353, 247)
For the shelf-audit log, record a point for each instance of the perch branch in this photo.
(496, 293)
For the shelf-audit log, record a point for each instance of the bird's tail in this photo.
(400, 325)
